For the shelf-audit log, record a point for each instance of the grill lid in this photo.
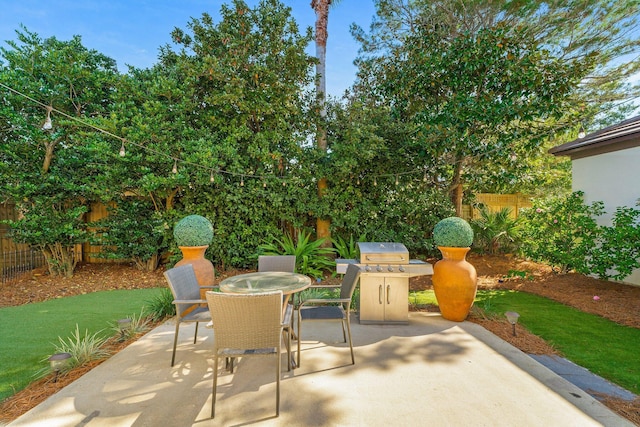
(383, 253)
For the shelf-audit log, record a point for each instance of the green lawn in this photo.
(28, 332)
(600, 345)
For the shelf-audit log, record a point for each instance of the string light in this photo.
(375, 181)
(242, 181)
(581, 132)
(47, 121)
(211, 179)
(48, 125)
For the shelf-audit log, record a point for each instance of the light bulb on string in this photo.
(264, 184)
(122, 152)
(424, 177)
(284, 183)
(211, 179)
(175, 166)
(581, 132)
(375, 182)
(47, 121)
(396, 179)
(242, 181)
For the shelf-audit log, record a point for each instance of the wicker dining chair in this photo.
(332, 309)
(246, 325)
(190, 307)
(277, 263)
(285, 263)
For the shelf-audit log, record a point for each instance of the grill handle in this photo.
(384, 259)
(388, 291)
(380, 294)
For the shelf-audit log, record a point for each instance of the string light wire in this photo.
(122, 153)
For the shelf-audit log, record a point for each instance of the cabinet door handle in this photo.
(380, 294)
(388, 289)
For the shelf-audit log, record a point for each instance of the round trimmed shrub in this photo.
(193, 230)
(453, 232)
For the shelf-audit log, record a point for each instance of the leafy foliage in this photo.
(132, 230)
(564, 233)
(561, 231)
(617, 253)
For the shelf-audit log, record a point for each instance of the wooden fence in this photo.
(496, 202)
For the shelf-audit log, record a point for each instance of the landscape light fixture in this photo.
(512, 317)
(58, 361)
(123, 325)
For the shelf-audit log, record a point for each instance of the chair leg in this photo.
(175, 342)
(278, 370)
(353, 360)
(299, 338)
(287, 342)
(215, 383)
(195, 336)
(344, 334)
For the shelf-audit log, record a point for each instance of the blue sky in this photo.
(131, 31)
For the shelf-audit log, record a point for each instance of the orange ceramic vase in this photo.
(194, 255)
(454, 283)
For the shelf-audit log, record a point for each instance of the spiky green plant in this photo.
(347, 249)
(312, 258)
(496, 232)
(83, 348)
(161, 306)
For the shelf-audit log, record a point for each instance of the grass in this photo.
(600, 345)
(29, 333)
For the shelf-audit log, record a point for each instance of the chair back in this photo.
(246, 321)
(285, 263)
(349, 281)
(184, 286)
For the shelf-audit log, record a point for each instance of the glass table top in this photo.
(264, 282)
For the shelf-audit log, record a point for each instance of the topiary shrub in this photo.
(453, 232)
(193, 230)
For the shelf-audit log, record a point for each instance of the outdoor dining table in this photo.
(266, 281)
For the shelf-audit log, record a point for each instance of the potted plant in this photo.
(454, 279)
(194, 234)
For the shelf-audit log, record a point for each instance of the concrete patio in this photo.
(430, 372)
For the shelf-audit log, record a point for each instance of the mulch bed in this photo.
(617, 302)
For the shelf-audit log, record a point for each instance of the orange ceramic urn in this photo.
(454, 283)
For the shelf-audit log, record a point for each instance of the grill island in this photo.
(384, 281)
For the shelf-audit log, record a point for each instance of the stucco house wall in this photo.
(605, 166)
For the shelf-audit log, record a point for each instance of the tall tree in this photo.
(483, 85)
(49, 168)
(321, 7)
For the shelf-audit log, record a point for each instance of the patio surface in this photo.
(429, 372)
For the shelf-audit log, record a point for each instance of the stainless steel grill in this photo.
(384, 280)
